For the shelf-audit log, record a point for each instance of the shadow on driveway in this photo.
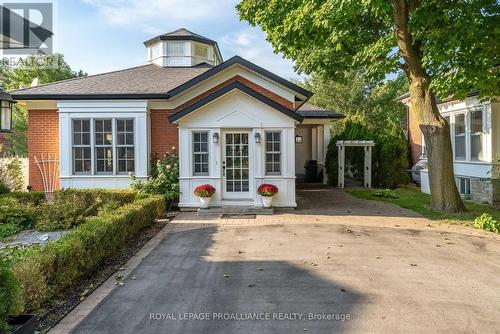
(181, 275)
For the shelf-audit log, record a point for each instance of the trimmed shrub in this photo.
(34, 197)
(14, 216)
(71, 207)
(389, 155)
(10, 295)
(59, 265)
(487, 222)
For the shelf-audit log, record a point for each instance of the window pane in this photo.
(273, 152)
(460, 124)
(476, 147)
(476, 121)
(460, 147)
(200, 153)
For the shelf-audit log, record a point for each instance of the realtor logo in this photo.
(26, 28)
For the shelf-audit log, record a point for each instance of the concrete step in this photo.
(236, 210)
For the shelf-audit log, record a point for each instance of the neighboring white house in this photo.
(235, 124)
(475, 138)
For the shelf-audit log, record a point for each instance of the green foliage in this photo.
(15, 216)
(11, 176)
(389, 155)
(164, 179)
(330, 37)
(353, 95)
(59, 265)
(71, 207)
(385, 193)
(19, 135)
(487, 222)
(33, 197)
(10, 295)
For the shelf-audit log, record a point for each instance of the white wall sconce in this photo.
(257, 137)
(215, 137)
(298, 139)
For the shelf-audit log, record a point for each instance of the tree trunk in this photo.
(436, 131)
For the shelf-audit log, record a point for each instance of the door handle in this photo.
(224, 168)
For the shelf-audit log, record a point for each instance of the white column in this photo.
(314, 143)
(326, 141)
(341, 163)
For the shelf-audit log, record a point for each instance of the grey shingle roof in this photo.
(309, 110)
(141, 80)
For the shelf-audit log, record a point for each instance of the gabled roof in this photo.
(237, 60)
(228, 88)
(180, 34)
(308, 110)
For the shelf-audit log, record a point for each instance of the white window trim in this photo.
(466, 130)
(116, 146)
(93, 160)
(273, 152)
(73, 146)
(192, 153)
(481, 134)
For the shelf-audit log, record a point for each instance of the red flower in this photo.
(205, 190)
(267, 190)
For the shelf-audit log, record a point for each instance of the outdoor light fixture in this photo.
(257, 137)
(298, 139)
(6, 103)
(215, 137)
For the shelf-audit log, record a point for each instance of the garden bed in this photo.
(106, 227)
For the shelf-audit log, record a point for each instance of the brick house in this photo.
(475, 138)
(235, 124)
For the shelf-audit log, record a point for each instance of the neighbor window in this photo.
(81, 146)
(200, 153)
(125, 145)
(464, 186)
(94, 146)
(273, 153)
(176, 49)
(460, 137)
(5, 115)
(476, 134)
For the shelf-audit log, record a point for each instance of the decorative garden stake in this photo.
(49, 169)
(267, 191)
(204, 193)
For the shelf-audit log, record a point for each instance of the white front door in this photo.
(235, 165)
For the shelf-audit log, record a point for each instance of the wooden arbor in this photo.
(367, 148)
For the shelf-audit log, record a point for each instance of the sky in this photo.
(99, 36)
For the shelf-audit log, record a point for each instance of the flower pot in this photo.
(205, 202)
(267, 201)
(22, 324)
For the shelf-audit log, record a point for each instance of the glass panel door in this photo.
(236, 164)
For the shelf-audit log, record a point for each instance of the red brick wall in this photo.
(43, 138)
(165, 135)
(414, 137)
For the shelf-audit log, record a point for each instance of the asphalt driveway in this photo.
(355, 272)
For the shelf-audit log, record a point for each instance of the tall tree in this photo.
(44, 68)
(442, 47)
(354, 95)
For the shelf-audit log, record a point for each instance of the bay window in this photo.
(96, 142)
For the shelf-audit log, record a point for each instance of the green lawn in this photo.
(411, 198)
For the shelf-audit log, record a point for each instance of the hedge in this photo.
(10, 295)
(59, 265)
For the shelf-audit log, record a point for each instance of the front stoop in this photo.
(235, 210)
